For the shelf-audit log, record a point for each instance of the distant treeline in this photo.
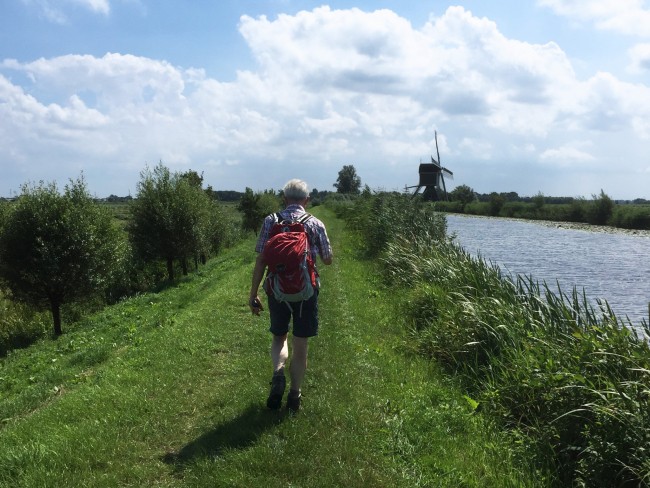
(514, 197)
(224, 196)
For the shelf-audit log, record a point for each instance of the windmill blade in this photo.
(448, 173)
(435, 162)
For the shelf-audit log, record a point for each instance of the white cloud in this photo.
(639, 59)
(631, 17)
(608, 104)
(567, 155)
(332, 87)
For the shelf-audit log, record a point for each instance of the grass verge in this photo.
(168, 389)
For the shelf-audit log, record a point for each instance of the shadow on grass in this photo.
(238, 433)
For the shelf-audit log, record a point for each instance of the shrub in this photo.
(496, 202)
(600, 210)
(451, 207)
(631, 217)
(386, 216)
(171, 219)
(254, 206)
(477, 208)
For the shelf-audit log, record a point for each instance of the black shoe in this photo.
(293, 401)
(278, 384)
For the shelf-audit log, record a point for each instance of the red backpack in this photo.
(292, 276)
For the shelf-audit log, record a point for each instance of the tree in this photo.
(601, 209)
(256, 206)
(193, 178)
(463, 194)
(56, 249)
(348, 181)
(496, 203)
(168, 218)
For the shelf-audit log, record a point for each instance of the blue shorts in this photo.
(305, 321)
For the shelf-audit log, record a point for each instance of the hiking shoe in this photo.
(293, 401)
(278, 383)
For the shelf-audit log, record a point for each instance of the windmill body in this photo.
(432, 178)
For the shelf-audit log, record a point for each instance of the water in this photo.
(610, 266)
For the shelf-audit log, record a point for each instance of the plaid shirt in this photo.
(319, 242)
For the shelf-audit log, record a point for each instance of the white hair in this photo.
(296, 190)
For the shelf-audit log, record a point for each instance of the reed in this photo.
(572, 380)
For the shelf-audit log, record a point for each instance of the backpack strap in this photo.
(304, 218)
(277, 217)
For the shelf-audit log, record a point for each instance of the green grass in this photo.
(169, 389)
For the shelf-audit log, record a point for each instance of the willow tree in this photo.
(254, 206)
(170, 218)
(58, 248)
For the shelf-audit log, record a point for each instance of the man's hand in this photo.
(255, 305)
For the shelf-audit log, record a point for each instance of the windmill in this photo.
(432, 178)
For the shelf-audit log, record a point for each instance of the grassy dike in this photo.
(169, 389)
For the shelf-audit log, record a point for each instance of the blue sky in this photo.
(549, 96)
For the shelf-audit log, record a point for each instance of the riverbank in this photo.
(565, 379)
(168, 389)
(606, 229)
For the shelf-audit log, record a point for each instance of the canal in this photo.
(613, 266)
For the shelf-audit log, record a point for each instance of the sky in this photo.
(530, 96)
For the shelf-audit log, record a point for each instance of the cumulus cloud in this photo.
(567, 155)
(639, 59)
(630, 17)
(331, 87)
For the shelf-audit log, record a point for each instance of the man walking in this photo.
(304, 314)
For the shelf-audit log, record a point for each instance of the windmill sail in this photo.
(432, 177)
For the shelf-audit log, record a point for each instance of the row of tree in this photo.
(64, 247)
(58, 248)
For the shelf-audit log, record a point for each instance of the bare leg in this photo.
(298, 362)
(279, 352)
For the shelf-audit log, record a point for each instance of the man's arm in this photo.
(325, 248)
(258, 276)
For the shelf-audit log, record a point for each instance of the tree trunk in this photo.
(184, 266)
(56, 317)
(170, 269)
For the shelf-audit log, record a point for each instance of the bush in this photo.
(386, 216)
(254, 206)
(451, 207)
(496, 202)
(519, 210)
(600, 210)
(477, 208)
(631, 217)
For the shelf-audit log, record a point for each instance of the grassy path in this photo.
(169, 389)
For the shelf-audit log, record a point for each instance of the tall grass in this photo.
(571, 381)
